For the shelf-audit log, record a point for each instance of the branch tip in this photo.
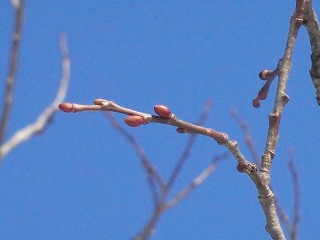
(66, 107)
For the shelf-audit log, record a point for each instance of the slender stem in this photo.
(13, 68)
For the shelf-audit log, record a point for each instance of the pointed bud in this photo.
(134, 121)
(163, 111)
(264, 74)
(66, 107)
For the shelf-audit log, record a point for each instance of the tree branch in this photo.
(13, 68)
(44, 118)
(310, 21)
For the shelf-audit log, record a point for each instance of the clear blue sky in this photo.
(81, 180)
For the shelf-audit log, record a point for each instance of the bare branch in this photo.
(13, 68)
(196, 182)
(44, 118)
(281, 96)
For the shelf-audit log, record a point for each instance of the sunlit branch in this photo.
(44, 118)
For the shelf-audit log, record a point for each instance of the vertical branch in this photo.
(13, 67)
(281, 96)
(44, 118)
(296, 197)
(310, 21)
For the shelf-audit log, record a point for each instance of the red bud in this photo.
(255, 103)
(262, 94)
(66, 107)
(134, 121)
(162, 111)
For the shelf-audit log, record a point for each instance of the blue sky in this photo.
(81, 180)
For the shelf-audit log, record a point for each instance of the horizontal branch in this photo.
(136, 118)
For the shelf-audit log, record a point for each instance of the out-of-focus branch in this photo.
(153, 175)
(13, 67)
(159, 188)
(292, 227)
(296, 197)
(44, 118)
(310, 21)
(247, 136)
(188, 147)
(197, 181)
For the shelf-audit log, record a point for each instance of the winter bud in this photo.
(134, 121)
(163, 111)
(66, 107)
(256, 103)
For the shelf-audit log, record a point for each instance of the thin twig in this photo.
(196, 182)
(296, 197)
(44, 118)
(187, 149)
(220, 137)
(152, 173)
(247, 136)
(13, 68)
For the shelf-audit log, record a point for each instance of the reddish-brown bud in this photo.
(163, 111)
(66, 107)
(181, 130)
(262, 94)
(255, 103)
(134, 121)
(240, 167)
(264, 74)
(99, 101)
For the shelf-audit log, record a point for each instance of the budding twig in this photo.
(137, 118)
